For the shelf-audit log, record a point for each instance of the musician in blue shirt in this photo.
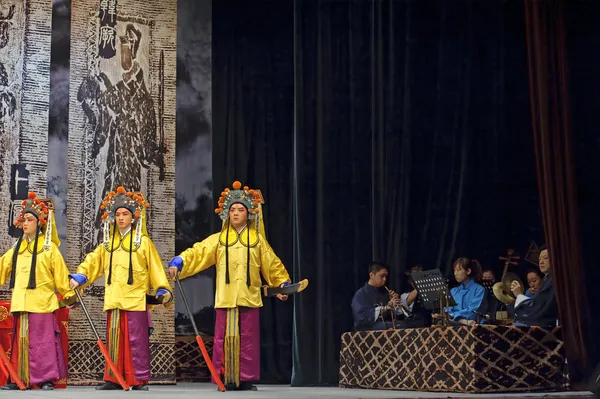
(469, 295)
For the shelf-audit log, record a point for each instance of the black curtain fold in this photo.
(332, 198)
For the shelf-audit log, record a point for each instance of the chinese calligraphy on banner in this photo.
(108, 29)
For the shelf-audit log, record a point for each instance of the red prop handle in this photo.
(112, 366)
(11, 370)
(209, 363)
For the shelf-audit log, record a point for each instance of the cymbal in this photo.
(498, 290)
(502, 289)
(509, 277)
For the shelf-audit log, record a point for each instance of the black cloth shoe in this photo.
(247, 386)
(47, 386)
(108, 386)
(10, 387)
(244, 386)
(140, 388)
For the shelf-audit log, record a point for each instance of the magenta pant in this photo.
(249, 343)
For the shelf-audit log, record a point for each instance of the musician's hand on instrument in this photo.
(472, 323)
(385, 308)
(437, 316)
(396, 302)
(516, 288)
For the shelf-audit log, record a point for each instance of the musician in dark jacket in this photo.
(372, 305)
(540, 309)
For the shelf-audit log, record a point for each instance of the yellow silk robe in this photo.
(148, 270)
(211, 251)
(51, 274)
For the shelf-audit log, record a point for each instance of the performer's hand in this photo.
(472, 323)
(393, 294)
(437, 316)
(166, 297)
(175, 266)
(396, 302)
(516, 288)
(280, 296)
(74, 284)
(173, 272)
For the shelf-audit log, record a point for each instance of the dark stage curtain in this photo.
(252, 138)
(412, 144)
(553, 139)
(582, 41)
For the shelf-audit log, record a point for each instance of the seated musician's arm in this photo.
(364, 313)
(451, 310)
(408, 299)
(522, 300)
(471, 303)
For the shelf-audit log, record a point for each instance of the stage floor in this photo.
(208, 391)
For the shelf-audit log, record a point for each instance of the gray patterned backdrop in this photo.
(25, 30)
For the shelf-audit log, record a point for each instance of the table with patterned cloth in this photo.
(484, 358)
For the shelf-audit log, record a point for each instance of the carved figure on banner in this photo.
(8, 103)
(122, 117)
(5, 25)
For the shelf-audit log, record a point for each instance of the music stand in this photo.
(433, 290)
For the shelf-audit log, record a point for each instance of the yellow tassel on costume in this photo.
(231, 349)
(24, 348)
(113, 337)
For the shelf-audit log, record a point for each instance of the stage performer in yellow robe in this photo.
(37, 271)
(241, 254)
(131, 265)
